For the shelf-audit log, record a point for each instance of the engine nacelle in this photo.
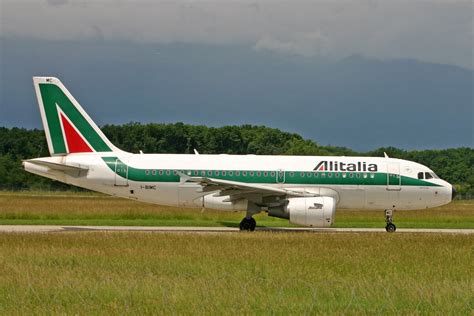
(313, 211)
(220, 203)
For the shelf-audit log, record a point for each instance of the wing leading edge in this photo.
(236, 188)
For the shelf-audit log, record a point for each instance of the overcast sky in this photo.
(362, 74)
(432, 31)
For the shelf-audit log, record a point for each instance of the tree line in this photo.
(455, 165)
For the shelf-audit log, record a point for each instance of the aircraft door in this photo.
(394, 180)
(280, 176)
(121, 173)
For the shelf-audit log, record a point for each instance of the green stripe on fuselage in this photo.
(263, 176)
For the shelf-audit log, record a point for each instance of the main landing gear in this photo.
(388, 219)
(248, 224)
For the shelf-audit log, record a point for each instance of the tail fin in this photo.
(67, 126)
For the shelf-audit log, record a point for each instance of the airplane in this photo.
(306, 190)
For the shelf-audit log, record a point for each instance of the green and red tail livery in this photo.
(67, 126)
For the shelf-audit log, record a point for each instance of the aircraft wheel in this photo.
(388, 219)
(248, 224)
(390, 227)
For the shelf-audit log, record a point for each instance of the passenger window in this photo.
(209, 173)
(168, 172)
(251, 173)
(265, 174)
(428, 175)
(237, 173)
(203, 173)
(231, 173)
(308, 174)
(273, 174)
(344, 175)
(302, 174)
(224, 173)
(420, 175)
(244, 173)
(292, 174)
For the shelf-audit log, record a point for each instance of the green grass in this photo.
(244, 273)
(35, 208)
(227, 273)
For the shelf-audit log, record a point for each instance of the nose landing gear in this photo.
(388, 219)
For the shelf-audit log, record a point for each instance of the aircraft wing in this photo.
(241, 189)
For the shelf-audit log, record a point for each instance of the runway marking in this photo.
(180, 229)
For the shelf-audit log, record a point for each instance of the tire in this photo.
(390, 228)
(245, 225)
(248, 224)
(253, 224)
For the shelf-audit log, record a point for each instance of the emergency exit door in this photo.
(280, 176)
(121, 173)
(394, 180)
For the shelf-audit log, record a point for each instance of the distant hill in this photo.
(356, 102)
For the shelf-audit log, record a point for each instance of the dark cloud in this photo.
(358, 102)
(432, 31)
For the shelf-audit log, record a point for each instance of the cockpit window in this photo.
(427, 175)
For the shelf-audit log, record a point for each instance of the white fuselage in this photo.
(155, 178)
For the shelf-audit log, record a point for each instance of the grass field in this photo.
(227, 273)
(245, 273)
(95, 209)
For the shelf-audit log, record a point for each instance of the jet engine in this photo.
(221, 203)
(313, 211)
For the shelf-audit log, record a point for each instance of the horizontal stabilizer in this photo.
(56, 166)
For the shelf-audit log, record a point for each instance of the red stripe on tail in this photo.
(75, 142)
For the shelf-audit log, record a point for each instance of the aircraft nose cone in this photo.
(453, 193)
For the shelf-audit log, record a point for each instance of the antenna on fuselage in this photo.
(385, 155)
(196, 152)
